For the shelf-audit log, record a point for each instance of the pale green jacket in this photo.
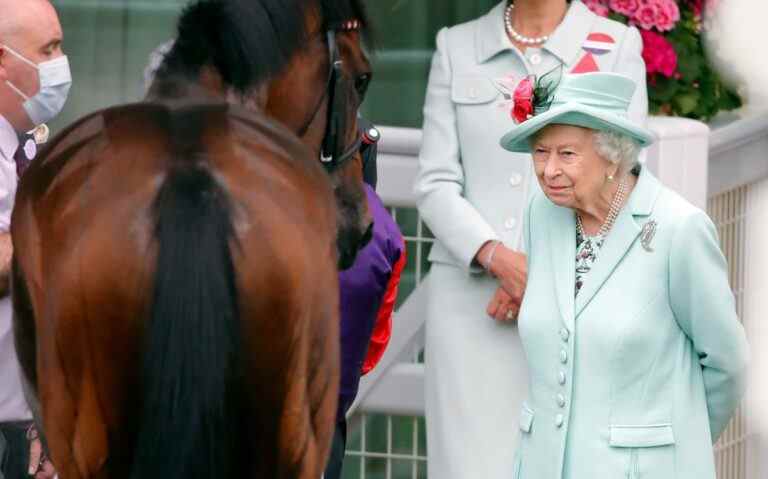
(638, 375)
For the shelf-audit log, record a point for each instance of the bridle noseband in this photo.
(333, 153)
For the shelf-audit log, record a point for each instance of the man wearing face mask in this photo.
(34, 83)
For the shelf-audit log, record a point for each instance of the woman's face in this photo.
(569, 169)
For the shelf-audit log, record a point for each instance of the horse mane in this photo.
(247, 41)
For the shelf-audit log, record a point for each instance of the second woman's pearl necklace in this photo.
(520, 38)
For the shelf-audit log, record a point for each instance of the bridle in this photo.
(333, 152)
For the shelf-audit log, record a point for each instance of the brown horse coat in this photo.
(85, 261)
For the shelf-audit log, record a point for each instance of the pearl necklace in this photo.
(516, 36)
(613, 212)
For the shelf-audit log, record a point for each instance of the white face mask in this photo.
(55, 80)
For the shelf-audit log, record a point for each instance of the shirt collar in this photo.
(565, 42)
(9, 139)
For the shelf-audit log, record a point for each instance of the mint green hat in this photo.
(598, 101)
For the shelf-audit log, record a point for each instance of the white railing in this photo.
(718, 170)
(738, 203)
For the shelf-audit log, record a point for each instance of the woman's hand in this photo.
(511, 269)
(502, 308)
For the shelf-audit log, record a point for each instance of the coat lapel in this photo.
(621, 238)
(562, 241)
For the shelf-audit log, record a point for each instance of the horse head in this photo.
(303, 64)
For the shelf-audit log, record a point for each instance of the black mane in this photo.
(247, 41)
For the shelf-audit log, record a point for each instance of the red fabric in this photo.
(382, 331)
(586, 65)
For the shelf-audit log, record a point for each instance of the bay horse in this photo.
(175, 261)
(216, 49)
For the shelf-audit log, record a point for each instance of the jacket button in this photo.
(563, 356)
(516, 179)
(565, 334)
(559, 420)
(561, 378)
(510, 224)
(535, 59)
(561, 400)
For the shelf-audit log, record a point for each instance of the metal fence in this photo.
(730, 213)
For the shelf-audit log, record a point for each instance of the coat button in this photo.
(535, 59)
(561, 400)
(561, 377)
(559, 420)
(516, 179)
(510, 223)
(565, 334)
(563, 356)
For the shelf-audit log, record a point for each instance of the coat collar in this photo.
(565, 42)
(620, 240)
(9, 139)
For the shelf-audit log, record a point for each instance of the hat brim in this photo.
(575, 114)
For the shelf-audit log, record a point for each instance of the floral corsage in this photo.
(531, 96)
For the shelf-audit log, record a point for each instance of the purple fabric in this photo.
(362, 289)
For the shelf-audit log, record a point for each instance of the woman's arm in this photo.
(440, 184)
(703, 306)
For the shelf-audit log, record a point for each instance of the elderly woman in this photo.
(472, 195)
(636, 356)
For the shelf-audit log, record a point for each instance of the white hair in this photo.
(617, 148)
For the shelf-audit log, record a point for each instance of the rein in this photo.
(332, 154)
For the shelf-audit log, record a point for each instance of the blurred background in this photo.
(708, 78)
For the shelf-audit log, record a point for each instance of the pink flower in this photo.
(523, 98)
(667, 16)
(658, 53)
(598, 7)
(645, 16)
(625, 7)
(697, 6)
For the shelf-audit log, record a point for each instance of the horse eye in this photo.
(361, 84)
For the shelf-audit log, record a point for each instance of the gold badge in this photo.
(41, 134)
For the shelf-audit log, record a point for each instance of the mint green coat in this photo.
(637, 376)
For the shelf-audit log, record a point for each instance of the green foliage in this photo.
(696, 90)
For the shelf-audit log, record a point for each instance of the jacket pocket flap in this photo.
(473, 90)
(526, 419)
(641, 436)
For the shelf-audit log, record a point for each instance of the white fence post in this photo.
(684, 147)
(755, 311)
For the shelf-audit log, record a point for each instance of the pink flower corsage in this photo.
(523, 101)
